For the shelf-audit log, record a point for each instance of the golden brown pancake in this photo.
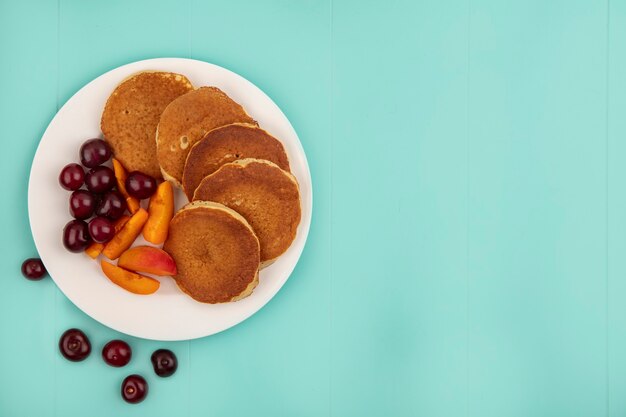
(265, 195)
(132, 113)
(216, 253)
(186, 120)
(227, 144)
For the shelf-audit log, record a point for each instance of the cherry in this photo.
(112, 205)
(72, 177)
(101, 229)
(76, 236)
(140, 185)
(164, 362)
(82, 204)
(100, 179)
(116, 353)
(33, 269)
(94, 152)
(134, 389)
(74, 345)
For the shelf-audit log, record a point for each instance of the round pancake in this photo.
(265, 195)
(132, 113)
(227, 144)
(216, 253)
(186, 120)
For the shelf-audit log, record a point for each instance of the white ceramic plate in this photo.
(168, 314)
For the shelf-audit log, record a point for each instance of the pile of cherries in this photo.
(100, 198)
(75, 347)
(101, 204)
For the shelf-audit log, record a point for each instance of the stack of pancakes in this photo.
(244, 202)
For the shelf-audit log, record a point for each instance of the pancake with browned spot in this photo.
(265, 195)
(216, 253)
(186, 120)
(131, 115)
(227, 144)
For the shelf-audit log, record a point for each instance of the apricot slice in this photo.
(128, 280)
(95, 248)
(148, 259)
(161, 211)
(120, 176)
(126, 236)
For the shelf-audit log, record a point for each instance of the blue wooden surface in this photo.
(468, 248)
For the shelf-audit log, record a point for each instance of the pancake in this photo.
(216, 253)
(227, 144)
(265, 195)
(132, 113)
(186, 120)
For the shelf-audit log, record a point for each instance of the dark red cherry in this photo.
(101, 229)
(94, 152)
(140, 185)
(116, 353)
(82, 204)
(74, 345)
(100, 179)
(72, 177)
(134, 389)
(76, 236)
(111, 205)
(164, 362)
(33, 269)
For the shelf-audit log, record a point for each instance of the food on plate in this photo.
(161, 211)
(117, 353)
(227, 144)
(134, 389)
(186, 120)
(100, 179)
(245, 205)
(216, 252)
(164, 362)
(120, 177)
(147, 259)
(129, 280)
(140, 185)
(126, 236)
(72, 177)
(111, 205)
(95, 248)
(74, 345)
(94, 152)
(76, 236)
(132, 113)
(265, 195)
(101, 229)
(82, 204)
(33, 269)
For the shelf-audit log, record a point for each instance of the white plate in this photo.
(168, 314)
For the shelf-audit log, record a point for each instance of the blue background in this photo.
(467, 255)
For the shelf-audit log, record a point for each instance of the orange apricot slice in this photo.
(128, 280)
(161, 210)
(126, 236)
